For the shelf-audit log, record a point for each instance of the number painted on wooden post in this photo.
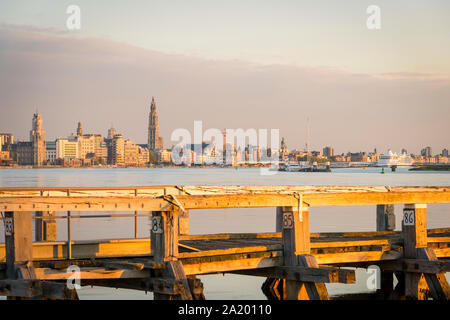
(9, 226)
(408, 217)
(288, 220)
(157, 226)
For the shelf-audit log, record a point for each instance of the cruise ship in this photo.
(392, 159)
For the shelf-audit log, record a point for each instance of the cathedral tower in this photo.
(154, 140)
(37, 138)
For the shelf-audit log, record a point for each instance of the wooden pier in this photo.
(295, 262)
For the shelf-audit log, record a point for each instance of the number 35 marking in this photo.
(288, 220)
(408, 217)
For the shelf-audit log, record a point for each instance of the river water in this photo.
(322, 219)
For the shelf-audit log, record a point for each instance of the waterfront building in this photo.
(163, 156)
(328, 152)
(130, 153)
(284, 152)
(444, 153)
(37, 138)
(358, 157)
(6, 138)
(441, 159)
(51, 152)
(86, 145)
(112, 132)
(154, 140)
(118, 150)
(426, 152)
(67, 149)
(5, 160)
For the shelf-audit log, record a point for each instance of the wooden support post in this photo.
(183, 222)
(386, 222)
(174, 271)
(45, 229)
(279, 220)
(18, 241)
(385, 217)
(164, 235)
(296, 249)
(414, 227)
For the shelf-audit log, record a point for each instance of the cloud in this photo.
(99, 82)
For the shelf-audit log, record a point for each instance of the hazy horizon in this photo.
(102, 79)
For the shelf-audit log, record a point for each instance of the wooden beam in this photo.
(219, 264)
(90, 273)
(418, 265)
(20, 288)
(437, 283)
(243, 200)
(305, 274)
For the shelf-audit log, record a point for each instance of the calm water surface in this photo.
(323, 219)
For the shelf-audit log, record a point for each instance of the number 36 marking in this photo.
(408, 217)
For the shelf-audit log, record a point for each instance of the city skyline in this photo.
(97, 78)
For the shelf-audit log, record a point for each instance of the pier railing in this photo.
(295, 262)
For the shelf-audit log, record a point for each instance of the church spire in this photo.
(79, 129)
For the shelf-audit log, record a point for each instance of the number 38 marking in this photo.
(408, 217)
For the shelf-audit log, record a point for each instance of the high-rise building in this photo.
(118, 150)
(37, 138)
(444, 152)
(426, 152)
(112, 132)
(328, 152)
(154, 140)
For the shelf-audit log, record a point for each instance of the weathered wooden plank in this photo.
(418, 265)
(305, 274)
(90, 273)
(353, 257)
(223, 236)
(219, 252)
(208, 190)
(20, 288)
(122, 265)
(135, 203)
(215, 264)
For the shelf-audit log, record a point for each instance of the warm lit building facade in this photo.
(67, 149)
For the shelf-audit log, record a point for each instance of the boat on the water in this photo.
(390, 159)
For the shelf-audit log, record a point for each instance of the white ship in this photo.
(392, 159)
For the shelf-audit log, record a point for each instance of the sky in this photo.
(232, 64)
